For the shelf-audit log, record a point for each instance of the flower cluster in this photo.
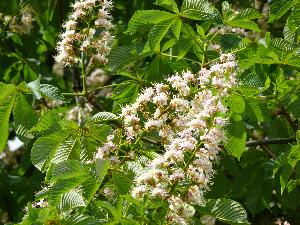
(80, 112)
(93, 40)
(21, 24)
(188, 114)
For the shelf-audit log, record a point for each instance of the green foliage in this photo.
(258, 174)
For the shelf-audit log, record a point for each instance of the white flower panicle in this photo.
(93, 40)
(21, 24)
(188, 114)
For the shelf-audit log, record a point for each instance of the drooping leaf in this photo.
(158, 32)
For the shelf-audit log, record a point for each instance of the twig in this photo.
(284, 112)
(177, 57)
(278, 141)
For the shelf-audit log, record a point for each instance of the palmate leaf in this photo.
(158, 32)
(5, 111)
(227, 211)
(197, 9)
(125, 55)
(182, 47)
(46, 148)
(168, 4)
(143, 17)
(72, 176)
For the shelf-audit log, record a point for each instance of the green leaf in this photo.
(67, 170)
(23, 112)
(88, 148)
(103, 117)
(237, 136)
(246, 24)
(236, 104)
(197, 9)
(259, 192)
(176, 28)
(99, 132)
(157, 70)
(229, 41)
(144, 17)
(158, 32)
(47, 122)
(5, 111)
(278, 8)
(52, 92)
(168, 4)
(247, 14)
(35, 87)
(125, 55)
(227, 211)
(79, 219)
(291, 28)
(243, 19)
(71, 200)
(66, 150)
(101, 167)
(45, 148)
(285, 176)
(6, 90)
(182, 47)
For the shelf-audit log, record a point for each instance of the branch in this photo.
(278, 141)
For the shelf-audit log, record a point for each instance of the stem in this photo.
(233, 52)
(174, 56)
(288, 118)
(204, 55)
(83, 74)
(73, 94)
(107, 86)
